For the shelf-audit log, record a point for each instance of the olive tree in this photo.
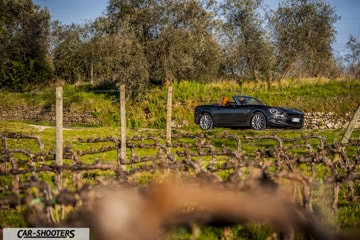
(186, 44)
(24, 32)
(353, 57)
(67, 53)
(248, 49)
(175, 37)
(303, 32)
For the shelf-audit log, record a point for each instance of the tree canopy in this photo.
(303, 33)
(248, 50)
(143, 42)
(353, 57)
(24, 42)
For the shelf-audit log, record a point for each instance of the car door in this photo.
(223, 115)
(240, 115)
(231, 115)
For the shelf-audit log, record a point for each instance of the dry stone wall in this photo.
(313, 120)
(36, 114)
(319, 120)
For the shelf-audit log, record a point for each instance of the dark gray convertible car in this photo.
(246, 111)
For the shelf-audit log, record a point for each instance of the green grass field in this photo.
(347, 215)
(148, 110)
(146, 116)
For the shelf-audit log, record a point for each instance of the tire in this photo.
(258, 121)
(206, 122)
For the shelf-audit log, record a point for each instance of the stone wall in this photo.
(314, 120)
(319, 120)
(36, 114)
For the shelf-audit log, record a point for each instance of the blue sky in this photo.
(78, 11)
(349, 23)
(74, 11)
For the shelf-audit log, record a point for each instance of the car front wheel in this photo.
(258, 121)
(206, 122)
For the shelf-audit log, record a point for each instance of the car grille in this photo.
(294, 118)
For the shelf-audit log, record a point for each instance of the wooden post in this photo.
(92, 73)
(351, 126)
(348, 131)
(123, 124)
(168, 118)
(59, 127)
(59, 141)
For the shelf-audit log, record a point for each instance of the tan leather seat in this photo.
(225, 101)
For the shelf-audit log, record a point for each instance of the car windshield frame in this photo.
(246, 100)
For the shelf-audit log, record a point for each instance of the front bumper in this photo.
(296, 121)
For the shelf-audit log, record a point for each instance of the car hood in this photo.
(290, 110)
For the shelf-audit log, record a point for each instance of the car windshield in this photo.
(245, 100)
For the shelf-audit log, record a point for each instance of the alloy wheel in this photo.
(206, 122)
(258, 121)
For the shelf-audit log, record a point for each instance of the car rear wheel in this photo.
(258, 121)
(206, 122)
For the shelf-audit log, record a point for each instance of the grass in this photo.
(72, 136)
(347, 213)
(146, 115)
(148, 110)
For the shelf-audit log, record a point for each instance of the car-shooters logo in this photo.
(46, 233)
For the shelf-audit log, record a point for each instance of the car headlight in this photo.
(275, 111)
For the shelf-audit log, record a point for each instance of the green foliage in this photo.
(19, 76)
(13, 217)
(349, 215)
(24, 61)
(13, 74)
(249, 53)
(303, 31)
(105, 106)
(353, 57)
(177, 40)
(254, 231)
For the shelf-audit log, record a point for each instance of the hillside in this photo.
(340, 98)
